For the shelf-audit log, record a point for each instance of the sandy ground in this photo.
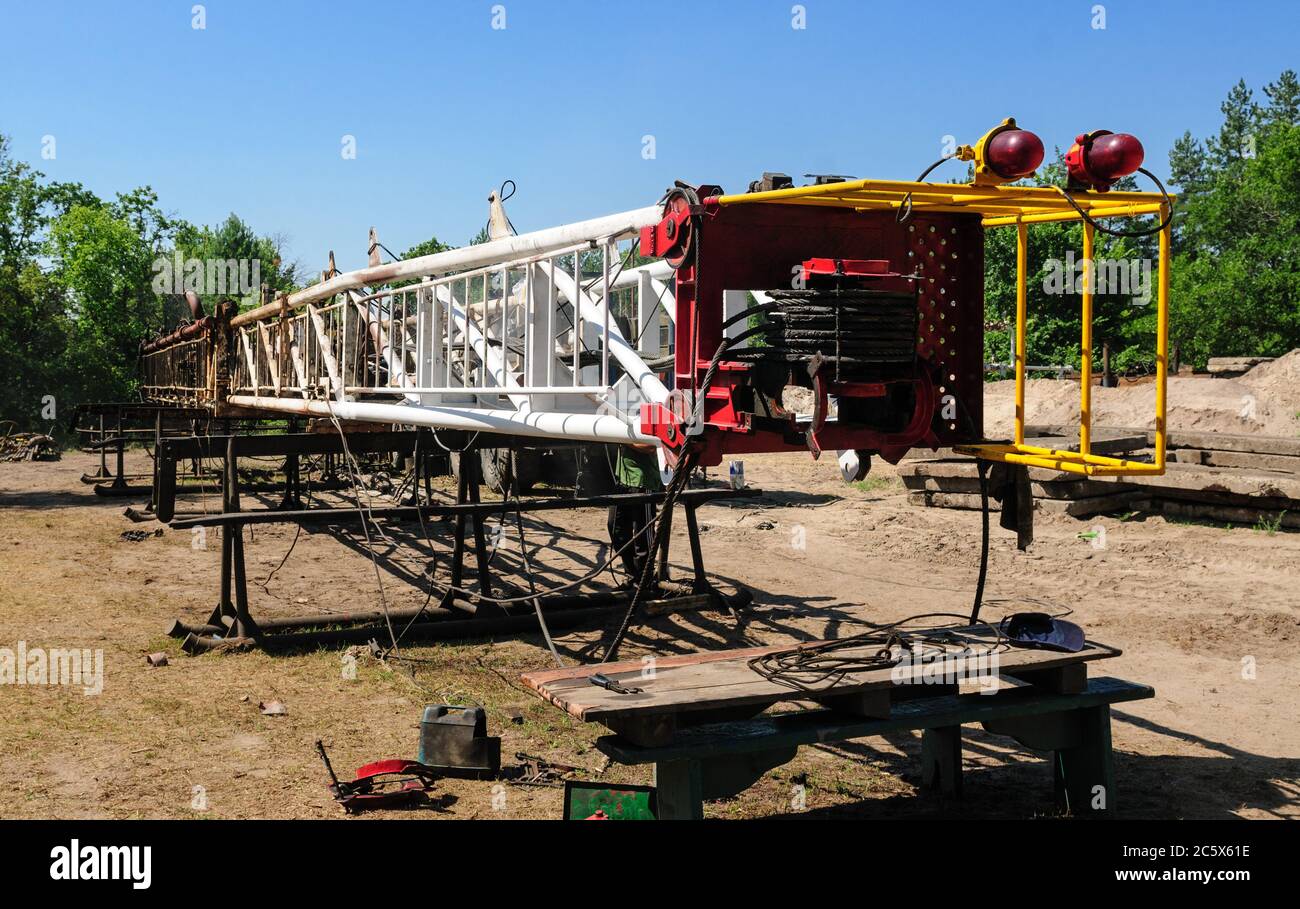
(1207, 614)
(1266, 401)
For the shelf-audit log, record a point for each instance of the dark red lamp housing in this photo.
(1014, 154)
(1099, 159)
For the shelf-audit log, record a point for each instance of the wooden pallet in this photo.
(718, 686)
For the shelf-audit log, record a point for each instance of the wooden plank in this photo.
(680, 604)
(1066, 489)
(1069, 679)
(967, 468)
(874, 702)
(811, 727)
(1245, 459)
(941, 760)
(1230, 514)
(1228, 367)
(1224, 480)
(251, 361)
(1084, 776)
(724, 679)
(1223, 441)
(272, 361)
(1227, 499)
(1111, 440)
(1192, 477)
(1078, 508)
(1105, 440)
(546, 676)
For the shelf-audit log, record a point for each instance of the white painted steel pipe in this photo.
(537, 242)
(541, 424)
(658, 269)
(594, 312)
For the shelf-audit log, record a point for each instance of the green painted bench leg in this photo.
(679, 791)
(941, 760)
(1085, 774)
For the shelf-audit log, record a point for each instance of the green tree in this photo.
(33, 334)
(23, 210)
(1241, 118)
(1283, 95)
(1053, 334)
(103, 269)
(33, 320)
(1236, 271)
(1236, 278)
(229, 261)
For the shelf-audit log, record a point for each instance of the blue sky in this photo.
(249, 113)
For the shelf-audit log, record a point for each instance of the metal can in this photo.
(737, 474)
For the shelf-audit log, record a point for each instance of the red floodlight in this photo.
(1014, 154)
(1100, 158)
(1003, 154)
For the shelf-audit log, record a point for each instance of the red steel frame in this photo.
(758, 247)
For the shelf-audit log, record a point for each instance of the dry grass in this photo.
(141, 747)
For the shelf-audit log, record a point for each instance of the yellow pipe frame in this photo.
(1022, 307)
(1085, 343)
(1004, 206)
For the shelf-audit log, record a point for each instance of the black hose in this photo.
(984, 541)
(1168, 203)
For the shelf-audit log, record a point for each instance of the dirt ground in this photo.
(1265, 400)
(1208, 615)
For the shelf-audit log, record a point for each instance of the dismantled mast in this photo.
(868, 293)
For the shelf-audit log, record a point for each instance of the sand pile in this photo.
(1264, 401)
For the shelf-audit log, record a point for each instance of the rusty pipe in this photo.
(184, 333)
(443, 630)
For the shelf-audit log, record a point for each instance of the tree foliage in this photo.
(77, 287)
(1236, 275)
(1123, 309)
(1235, 269)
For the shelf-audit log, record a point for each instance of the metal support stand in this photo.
(119, 485)
(97, 437)
(292, 499)
(234, 614)
(467, 492)
(455, 613)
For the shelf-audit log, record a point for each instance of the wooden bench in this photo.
(676, 692)
(720, 760)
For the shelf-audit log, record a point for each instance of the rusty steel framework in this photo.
(511, 336)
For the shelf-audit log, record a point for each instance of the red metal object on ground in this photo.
(381, 784)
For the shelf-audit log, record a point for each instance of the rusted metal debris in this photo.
(537, 771)
(135, 536)
(26, 446)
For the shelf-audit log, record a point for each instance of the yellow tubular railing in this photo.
(1085, 367)
(1022, 310)
(1084, 461)
(1005, 206)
